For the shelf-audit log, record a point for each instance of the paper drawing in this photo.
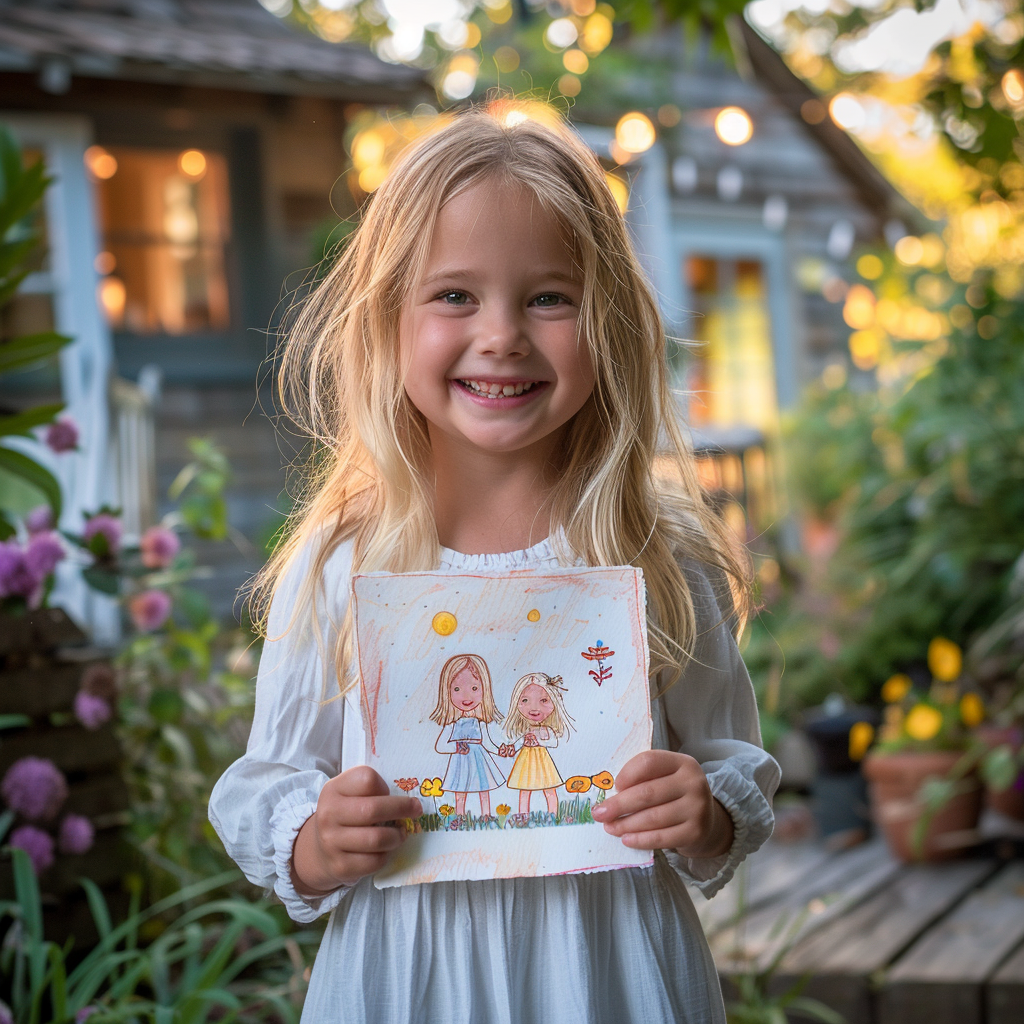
(478, 693)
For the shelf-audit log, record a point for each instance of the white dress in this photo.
(606, 948)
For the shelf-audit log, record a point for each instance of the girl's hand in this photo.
(663, 801)
(351, 833)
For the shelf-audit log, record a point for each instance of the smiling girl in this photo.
(536, 719)
(466, 704)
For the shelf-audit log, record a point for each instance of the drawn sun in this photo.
(533, 615)
(444, 623)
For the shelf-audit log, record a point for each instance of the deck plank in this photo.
(1004, 994)
(941, 977)
(821, 896)
(842, 956)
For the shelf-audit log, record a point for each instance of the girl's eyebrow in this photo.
(467, 274)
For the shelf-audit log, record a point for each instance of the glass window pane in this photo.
(165, 225)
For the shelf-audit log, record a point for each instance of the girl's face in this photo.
(535, 704)
(488, 337)
(465, 691)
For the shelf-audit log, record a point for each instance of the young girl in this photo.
(536, 720)
(483, 372)
(465, 702)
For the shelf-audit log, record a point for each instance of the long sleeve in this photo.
(712, 715)
(296, 744)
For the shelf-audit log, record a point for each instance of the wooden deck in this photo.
(879, 941)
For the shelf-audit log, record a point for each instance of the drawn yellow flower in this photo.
(431, 787)
(861, 735)
(578, 784)
(945, 659)
(603, 780)
(923, 722)
(895, 688)
(445, 809)
(503, 809)
(972, 710)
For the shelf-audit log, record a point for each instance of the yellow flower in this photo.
(895, 688)
(972, 710)
(861, 735)
(445, 809)
(503, 808)
(944, 659)
(923, 722)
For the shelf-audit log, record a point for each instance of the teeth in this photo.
(484, 388)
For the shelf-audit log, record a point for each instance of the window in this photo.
(730, 372)
(164, 226)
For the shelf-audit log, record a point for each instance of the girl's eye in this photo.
(549, 300)
(454, 298)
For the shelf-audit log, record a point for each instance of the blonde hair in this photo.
(558, 721)
(368, 481)
(446, 712)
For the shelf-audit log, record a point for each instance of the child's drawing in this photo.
(536, 721)
(465, 707)
(475, 697)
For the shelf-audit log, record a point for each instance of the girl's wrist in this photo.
(719, 837)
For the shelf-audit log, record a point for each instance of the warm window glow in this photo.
(165, 226)
(733, 126)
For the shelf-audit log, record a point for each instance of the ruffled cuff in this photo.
(752, 821)
(289, 816)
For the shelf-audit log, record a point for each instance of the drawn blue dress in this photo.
(476, 770)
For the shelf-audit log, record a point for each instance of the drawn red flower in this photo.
(407, 784)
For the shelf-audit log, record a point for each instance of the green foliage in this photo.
(224, 959)
(199, 489)
(21, 193)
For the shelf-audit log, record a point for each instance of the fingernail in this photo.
(599, 812)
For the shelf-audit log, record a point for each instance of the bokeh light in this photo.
(100, 163)
(192, 163)
(733, 126)
(635, 133)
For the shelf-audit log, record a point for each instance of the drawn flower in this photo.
(158, 546)
(578, 784)
(603, 780)
(150, 609)
(445, 809)
(34, 787)
(62, 436)
(945, 659)
(102, 534)
(860, 738)
(454, 824)
(519, 820)
(597, 653)
(76, 834)
(431, 787)
(36, 843)
(407, 784)
(91, 711)
(923, 722)
(503, 811)
(972, 710)
(895, 688)
(568, 820)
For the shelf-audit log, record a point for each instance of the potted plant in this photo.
(923, 775)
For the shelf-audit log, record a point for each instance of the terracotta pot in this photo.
(895, 781)
(1007, 801)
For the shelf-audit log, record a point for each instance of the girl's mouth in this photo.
(499, 392)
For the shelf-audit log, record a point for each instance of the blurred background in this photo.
(828, 197)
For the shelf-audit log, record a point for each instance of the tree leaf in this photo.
(32, 472)
(103, 580)
(19, 353)
(22, 423)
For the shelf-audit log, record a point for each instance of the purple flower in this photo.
(34, 787)
(76, 834)
(62, 436)
(150, 609)
(102, 534)
(6, 1016)
(16, 576)
(100, 681)
(159, 546)
(91, 711)
(39, 520)
(36, 843)
(85, 1013)
(43, 553)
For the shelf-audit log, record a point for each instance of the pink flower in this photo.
(150, 609)
(34, 787)
(39, 520)
(36, 843)
(102, 534)
(6, 1016)
(76, 834)
(43, 553)
(62, 436)
(159, 546)
(85, 1013)
(16, 576)
(91, 711)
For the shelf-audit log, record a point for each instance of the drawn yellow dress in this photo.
(533, 768)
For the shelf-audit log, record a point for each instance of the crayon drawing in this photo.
(492, 696)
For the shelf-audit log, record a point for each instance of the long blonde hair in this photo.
(446, 712)
(559, 722)
(340, 379)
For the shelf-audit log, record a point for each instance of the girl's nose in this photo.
(502, 333)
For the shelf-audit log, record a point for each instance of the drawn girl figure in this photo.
(536, 719)
(465, 707)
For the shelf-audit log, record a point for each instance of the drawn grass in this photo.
(570, 812)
